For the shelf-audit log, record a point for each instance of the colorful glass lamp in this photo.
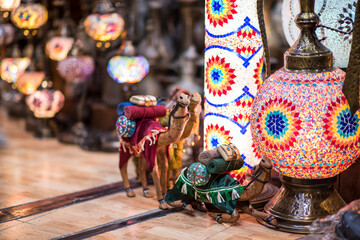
(125, 69)
(28, 82)
(29, 17)
(45, 103)
(76, 69)
(104, 25)
(12, 68)
(57, 48)
(7, 6)
(301, 120)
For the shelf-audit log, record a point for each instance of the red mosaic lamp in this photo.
(104, 25)
(301, 120)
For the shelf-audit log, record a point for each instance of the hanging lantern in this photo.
(29, 17)
(58, 48)
(45, 103)
(336, 18)
(302, 122)
(128, 69)
(12, 68)
(104, 25)
(8, 5)
(76, 69)
(29, 82)
(7, 34)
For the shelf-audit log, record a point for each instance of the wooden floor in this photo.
(67, 193)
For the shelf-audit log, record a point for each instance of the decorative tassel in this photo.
(220, 198)
(208, 197)
(196, 195)
(184, 189)
(234, 195)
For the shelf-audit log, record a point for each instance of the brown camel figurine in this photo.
(162, 158)
(260, 176)
(159, 137)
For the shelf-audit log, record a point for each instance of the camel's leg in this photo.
(124, 175)
(163, 166)
(260, 215)
(184, 205)
(143, 178)
(155, 176)
(218, 217)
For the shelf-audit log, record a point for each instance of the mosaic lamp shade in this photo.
(58, 48)
(28, 82)
(104, 27)
(233, 74)
(128, 69)
(29, 16)
(12, 68)
(303, 123)
(76, 69)
(336, 17)
(45, 103)
(7, 34)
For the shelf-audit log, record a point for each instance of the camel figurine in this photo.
(156, 138)
(191, 125)
(260, 176)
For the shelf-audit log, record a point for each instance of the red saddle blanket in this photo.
(144, 141)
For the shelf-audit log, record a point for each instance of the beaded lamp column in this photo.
(234, 66)
(302, 122)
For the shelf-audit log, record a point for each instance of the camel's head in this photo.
(183, 99)
(266, 164)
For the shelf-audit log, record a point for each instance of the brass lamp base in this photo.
(300, 201)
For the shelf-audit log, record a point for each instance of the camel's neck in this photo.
(176, 128)
(255, 187)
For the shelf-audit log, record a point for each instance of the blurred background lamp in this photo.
(76, 69)
(29, 82)
(12, 68)
(29, 16)
(128, 69)
(45, 103)
(58, 48)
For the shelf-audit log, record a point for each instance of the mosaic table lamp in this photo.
(12, 68)
(57, 48)
(336, 26)
(104, 25)
(29, 17)
(234, 67)
(302, 122)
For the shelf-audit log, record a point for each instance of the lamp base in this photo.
(44, 130)
(301, 201)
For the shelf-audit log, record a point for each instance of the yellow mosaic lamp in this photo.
(302, 122)
(29, 17)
